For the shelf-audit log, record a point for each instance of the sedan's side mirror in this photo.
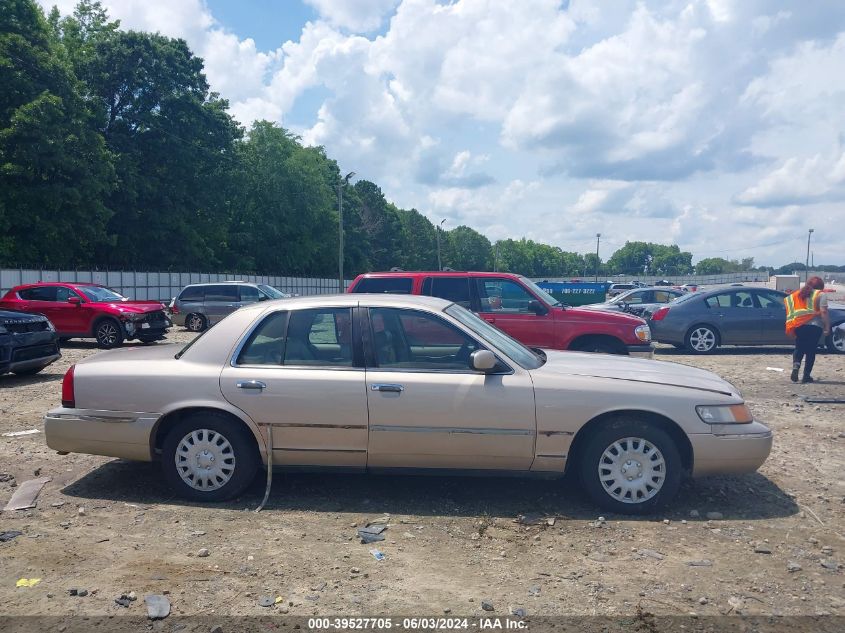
(536, 307)
(74, 301)
(482, 360)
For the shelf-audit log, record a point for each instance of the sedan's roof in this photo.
(352, 300)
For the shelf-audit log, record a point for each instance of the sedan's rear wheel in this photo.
(209, 457)
(836, 339)
(195, 322)
(631, 467)
(702, 339)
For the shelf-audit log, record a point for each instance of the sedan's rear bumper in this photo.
(111, 433)
(728, 451)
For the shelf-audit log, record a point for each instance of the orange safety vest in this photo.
(800, 311)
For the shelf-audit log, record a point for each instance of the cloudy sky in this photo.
(714, 124)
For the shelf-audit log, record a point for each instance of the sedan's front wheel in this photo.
(209, 457)
(631, 467)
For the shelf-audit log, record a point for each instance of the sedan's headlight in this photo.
(643, 332)
(3, 330)
(725, 414)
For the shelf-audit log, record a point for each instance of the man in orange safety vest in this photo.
(807, 318)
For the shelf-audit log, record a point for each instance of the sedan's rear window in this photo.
(381, 285)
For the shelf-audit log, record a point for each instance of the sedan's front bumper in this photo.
(641, 351)
(110, 433)
(731, 449)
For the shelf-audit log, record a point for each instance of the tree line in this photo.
(115, 153)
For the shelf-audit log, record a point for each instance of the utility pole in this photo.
(343, 181)
(439, 229)
(496, 258)
(807, 264)
(598, 238)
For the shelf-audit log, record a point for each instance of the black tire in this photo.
(109, 333)
(702, 339)
(621, 430)
(29, 372)
(598, 345)
(195, 322)
(835, 341)
(244, 455)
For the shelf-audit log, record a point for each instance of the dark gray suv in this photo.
(200, 306)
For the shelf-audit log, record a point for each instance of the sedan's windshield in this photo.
(271, 292)
(98, 293)
(537, 290)
(520, 354)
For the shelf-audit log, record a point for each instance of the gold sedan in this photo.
(378, 382)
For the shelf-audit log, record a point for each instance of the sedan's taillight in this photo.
(68, 399)
(660, 314)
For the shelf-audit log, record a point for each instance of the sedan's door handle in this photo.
(490, 319)
(390, 388)
(251, 384)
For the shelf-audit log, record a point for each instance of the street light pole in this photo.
(807, 263)
(343, 181)
(439, 229)
(598, 238)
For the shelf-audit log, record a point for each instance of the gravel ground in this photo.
(110, 527)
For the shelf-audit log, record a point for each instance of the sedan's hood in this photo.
(633, 369)
(160, 351)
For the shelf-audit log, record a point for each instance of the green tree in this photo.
(466, 249)
(382, 226)
(54, 167)
(173, 143)
(418, 241)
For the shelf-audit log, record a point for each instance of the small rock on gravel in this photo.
(762, 549)
(792, 566)
(487, 606)
(203, 553)
(704, 562)
(266, 601)
(158, 607)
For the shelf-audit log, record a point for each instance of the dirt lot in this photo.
(110, 526)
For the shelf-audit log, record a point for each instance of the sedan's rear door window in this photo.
(319, 337)
(266, 345)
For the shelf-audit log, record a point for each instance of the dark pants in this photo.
(806, 342)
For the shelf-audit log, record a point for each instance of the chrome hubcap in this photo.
(205, 460)
(195, 323)
(837, 337)
(632, 470)
(702, 339)
(107, 334)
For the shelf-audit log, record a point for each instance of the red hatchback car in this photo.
(90, 311)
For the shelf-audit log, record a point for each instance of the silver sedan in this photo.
(388, 382)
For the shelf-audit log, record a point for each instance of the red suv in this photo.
(90, 311)
(519, 307)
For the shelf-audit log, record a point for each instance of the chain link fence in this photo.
(162, 286)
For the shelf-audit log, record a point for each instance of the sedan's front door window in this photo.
(410, 339)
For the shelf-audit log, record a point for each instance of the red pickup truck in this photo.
(90, 311)
(519, 307)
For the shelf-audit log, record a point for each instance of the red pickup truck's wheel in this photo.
(109, 333)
